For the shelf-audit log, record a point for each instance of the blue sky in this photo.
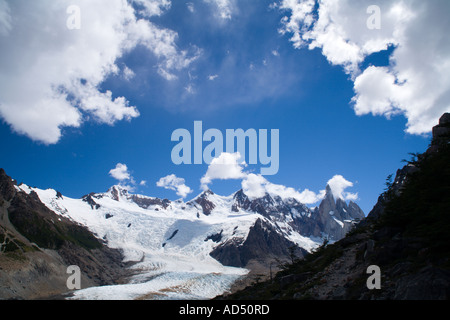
(230, 64)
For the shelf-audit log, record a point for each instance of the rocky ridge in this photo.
(37, 246)
(405, 235)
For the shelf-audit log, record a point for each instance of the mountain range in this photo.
(131, 246)
(405, 237)
(153, 248)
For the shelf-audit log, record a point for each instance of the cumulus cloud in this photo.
(120, 172)
(227, 166)
(172, 182)
(143, 183)
(256, 186)
(416, 82)
(51, 76)
(338, 184)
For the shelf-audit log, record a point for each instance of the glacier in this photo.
(172, 246)
(169, 244)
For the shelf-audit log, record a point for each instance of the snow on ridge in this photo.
(145, 235)
(23, 187)
(173, 243)
(339, 222)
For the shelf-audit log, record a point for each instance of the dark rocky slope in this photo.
(37, 246)
(406, 235)
(263, 245)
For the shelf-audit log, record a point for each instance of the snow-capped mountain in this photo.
(199, 248)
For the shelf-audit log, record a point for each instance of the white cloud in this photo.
(300, 19)
(102, 106)
(256, 186)
(128, 74)
(51, 76)
(120, 172)
(228, 166)
(153, 7)
(172, 182)
(213, 77)
(310, 197)
(190, 7)
(415, 84)
(225, 8)
(253, 185)
(338, 184)
(343, 41)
